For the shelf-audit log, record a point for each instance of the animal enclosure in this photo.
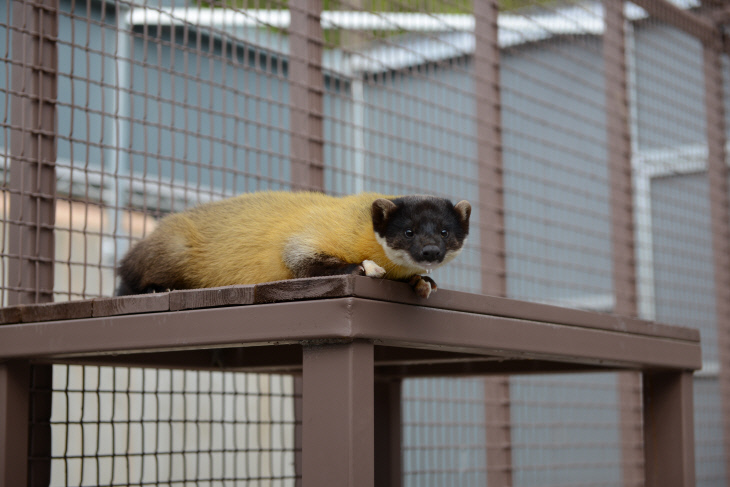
(590, 138)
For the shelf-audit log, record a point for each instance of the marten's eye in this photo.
(445, 233)
(409, 233)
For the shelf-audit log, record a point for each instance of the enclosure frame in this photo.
(344, 335)
(31, 236)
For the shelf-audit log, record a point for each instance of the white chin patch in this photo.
(403, 258)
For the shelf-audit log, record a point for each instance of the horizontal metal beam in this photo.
(334, 287)
(345, 319)
(483, 368)
(280, 323)
(287, 359)
(688, 22)
(721, 15)
(273, 359)
(395, 292)
(414, 326)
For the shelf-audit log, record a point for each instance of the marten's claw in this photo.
(423, 285)
(372, 269)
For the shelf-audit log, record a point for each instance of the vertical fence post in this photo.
(717, 178)
(33, 152)
(489, 148)
(491, 224)
(619, 159)
(622, 227)
(306, 91)
(32, 212)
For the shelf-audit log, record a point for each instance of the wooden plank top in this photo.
(29, 313)
(336, 308)
(123, 305)
(211, 298)
(336, 287)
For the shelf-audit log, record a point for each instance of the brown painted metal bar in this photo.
(32, 215)
(33, 152)
(388, 433)
(509, 308)
(306, 92)
(283, 359)
(720, 14)
(686, 21)
(717, 178)
(391, 324)
(338, 415)
(411, 326)
(632, 440)
(668, 429)
(280, 359)
(489, 148)
(618, 140)
(180, 330)
(619, 161)
(41, 402)
(364, 287)
(488, 366)
(499, 431)
(491, 225)
(14, 407)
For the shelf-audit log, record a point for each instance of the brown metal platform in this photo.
(353, 339)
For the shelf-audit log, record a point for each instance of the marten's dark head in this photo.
(421, 232)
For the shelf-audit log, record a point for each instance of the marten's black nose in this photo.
(431, 253)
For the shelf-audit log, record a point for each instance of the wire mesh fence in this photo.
(131, 426)
(158, 106)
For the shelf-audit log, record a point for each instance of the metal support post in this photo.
(338, 415)
(668, 429)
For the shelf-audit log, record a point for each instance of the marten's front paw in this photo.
(371, 269)
(423, 285)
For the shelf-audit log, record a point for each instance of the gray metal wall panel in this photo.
(556, 179)
(240, 130)
(443, 433)
(86, 86)
(683, 274)
(710, 460)
(669, 87)
(565, 430)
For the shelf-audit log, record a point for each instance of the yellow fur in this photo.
(249, 238)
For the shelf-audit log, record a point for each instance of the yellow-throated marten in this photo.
(269, 236)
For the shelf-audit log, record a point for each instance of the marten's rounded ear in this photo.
(463, 208)
(381, 211)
